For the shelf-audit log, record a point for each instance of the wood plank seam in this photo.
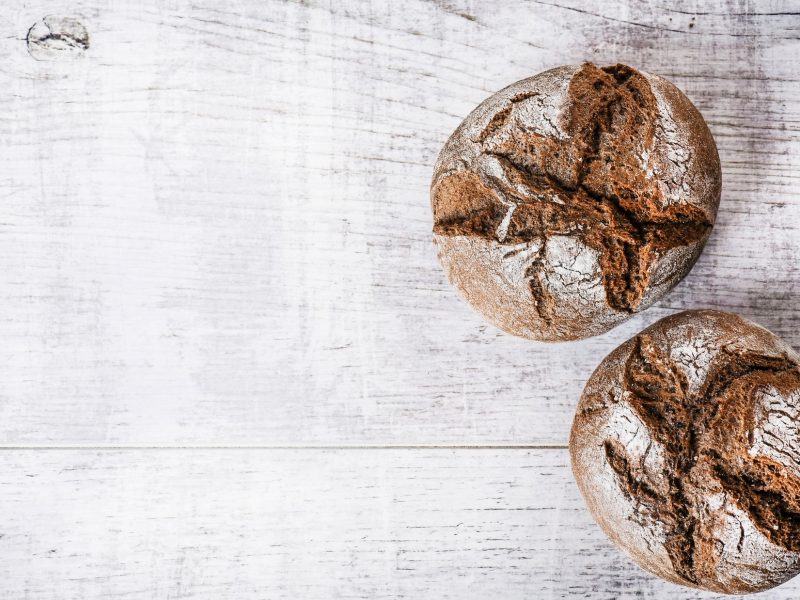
(113, 447)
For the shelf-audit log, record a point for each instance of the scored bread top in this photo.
(572, 199)
(686, 447)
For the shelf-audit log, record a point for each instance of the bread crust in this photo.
(571, 200)
(686, 448)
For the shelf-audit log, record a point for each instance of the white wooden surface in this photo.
(215, 231)
(309, 524)
(215, 222)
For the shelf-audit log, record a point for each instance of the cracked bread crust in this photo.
(568, 201)
(686, 448)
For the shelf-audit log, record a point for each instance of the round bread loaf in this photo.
(686, 448)
(572, 199)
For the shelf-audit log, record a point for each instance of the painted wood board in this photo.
(215, 222)
(215, 229)
(360, 524)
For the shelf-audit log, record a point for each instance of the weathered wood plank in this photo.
(307, 524)
(215, 223)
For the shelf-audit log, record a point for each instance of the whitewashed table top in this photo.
(231, 366)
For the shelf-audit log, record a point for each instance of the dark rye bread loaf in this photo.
(686, 448)
(568, 201)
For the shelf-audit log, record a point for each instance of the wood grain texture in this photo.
(418, 524)
(215, 230)
(215, 223)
